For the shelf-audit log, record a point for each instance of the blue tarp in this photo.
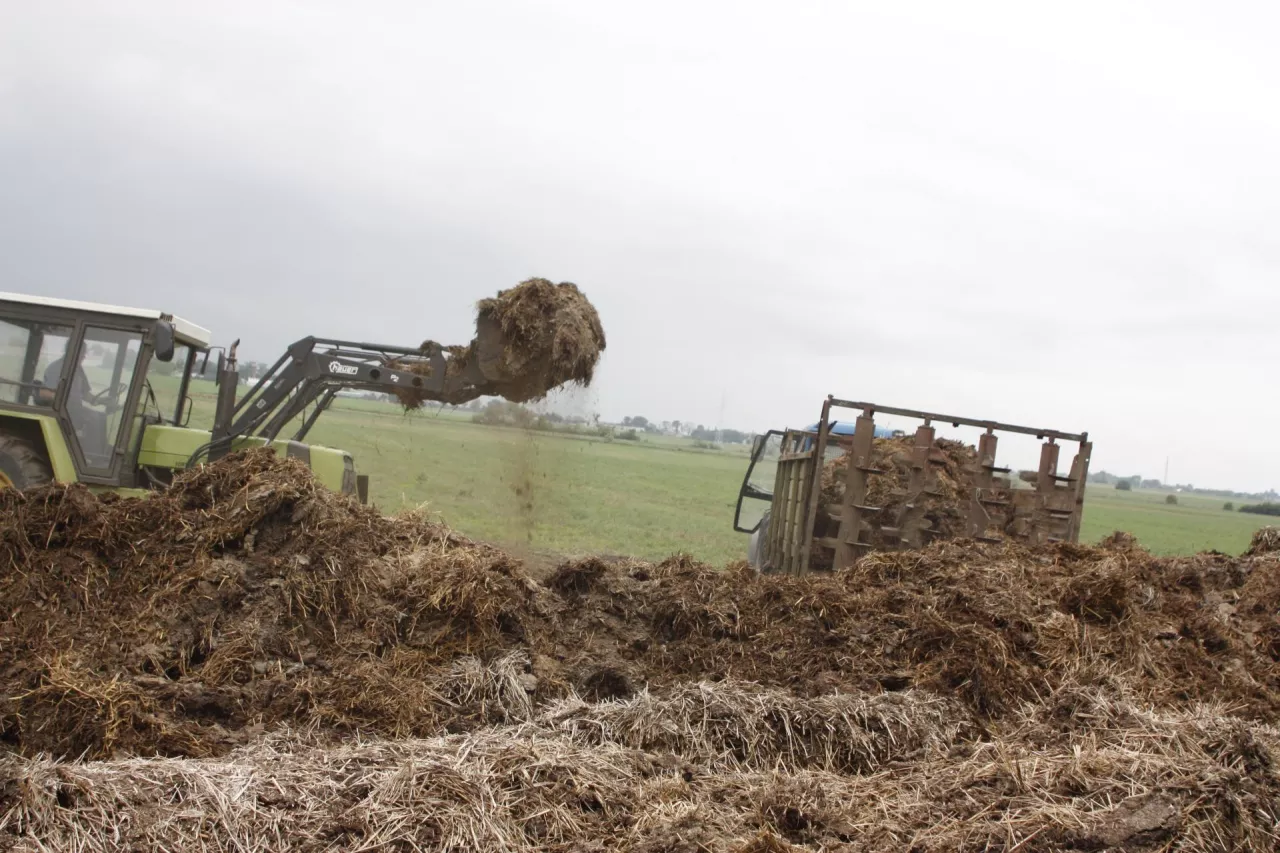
(847, 428)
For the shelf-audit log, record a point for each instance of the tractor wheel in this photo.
(756, 544)
(22, 466)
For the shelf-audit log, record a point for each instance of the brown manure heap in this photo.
(548, 335)
(244, 597)
(947, 511)
(249, 662)
(530, 340)
(1265, 541)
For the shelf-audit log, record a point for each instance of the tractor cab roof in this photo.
(184, 331)
(848, 427)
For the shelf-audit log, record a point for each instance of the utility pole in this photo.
(1166, 470)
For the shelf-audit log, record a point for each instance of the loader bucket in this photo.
(536, 337)
(490, 349)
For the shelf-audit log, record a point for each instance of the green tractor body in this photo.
(100, 394)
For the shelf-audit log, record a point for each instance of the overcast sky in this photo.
(1064, 217)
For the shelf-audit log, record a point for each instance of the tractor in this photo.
(101, 394)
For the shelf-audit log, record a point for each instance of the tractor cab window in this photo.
(27, 348)
(165, 384)
(98, 388)
(15, 338)
(757, 486)
(48, 363)
(764, 458)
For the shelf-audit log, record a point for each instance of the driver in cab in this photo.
(90, 424)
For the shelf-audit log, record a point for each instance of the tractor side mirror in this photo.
(163, 335)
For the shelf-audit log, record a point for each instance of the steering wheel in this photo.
(108, 397)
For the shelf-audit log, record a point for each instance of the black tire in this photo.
(755, 545)
(22, 466)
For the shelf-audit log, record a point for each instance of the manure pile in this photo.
(946, 511)
(250, 662)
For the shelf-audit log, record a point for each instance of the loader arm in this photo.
(313, 370)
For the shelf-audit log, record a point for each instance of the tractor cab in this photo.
(79, 383)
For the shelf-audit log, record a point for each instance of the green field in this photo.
(1197, 523)
(550, 493)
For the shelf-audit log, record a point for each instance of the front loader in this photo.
(100, 394)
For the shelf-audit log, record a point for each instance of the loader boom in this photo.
(313, 370)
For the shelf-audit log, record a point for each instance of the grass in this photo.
(1196, 523)
(569, 494)
(546, 492)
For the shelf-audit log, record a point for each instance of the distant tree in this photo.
(252, 369)
(505, 413)
(638, 421)
(1124, 485)
(1150, 484)
(1262, 509)
(1171, 499)
(1228, 506)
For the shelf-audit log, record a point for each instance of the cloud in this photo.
(991, 208)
